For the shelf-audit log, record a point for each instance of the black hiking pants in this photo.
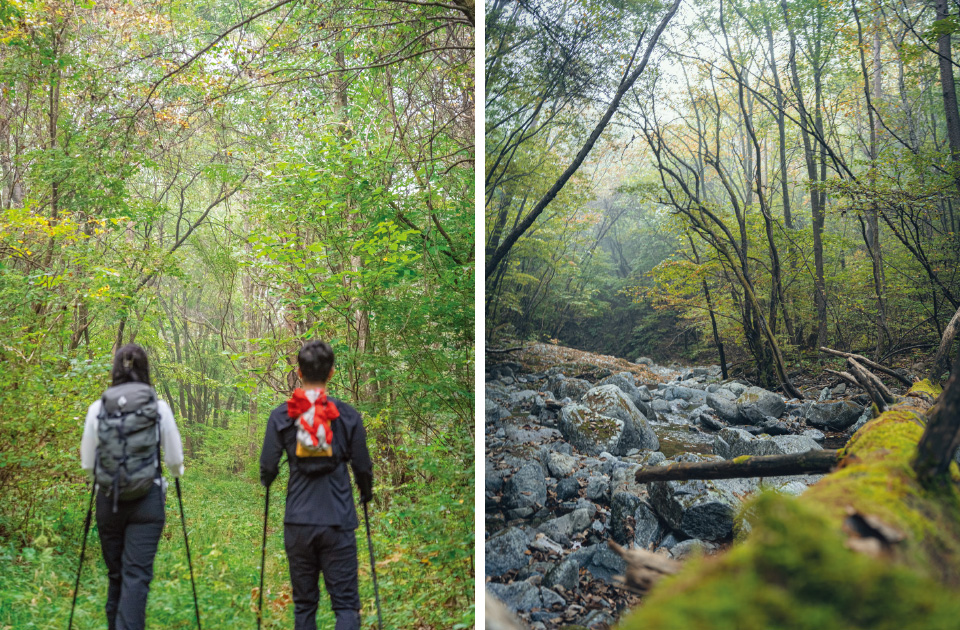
(315, 549)
(129, 539)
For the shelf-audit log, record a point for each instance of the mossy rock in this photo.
(796, 569)
(795, 572)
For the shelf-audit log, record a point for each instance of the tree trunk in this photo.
(816, 207)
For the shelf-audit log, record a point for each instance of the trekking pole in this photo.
(186, 542)
(373, 566)
(83, 549)
(263, 556)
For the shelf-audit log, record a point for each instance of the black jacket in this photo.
(325, 499)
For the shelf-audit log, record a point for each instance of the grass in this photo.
(424, 562)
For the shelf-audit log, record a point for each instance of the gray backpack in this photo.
(128, 457)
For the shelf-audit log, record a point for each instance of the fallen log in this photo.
(503, 350)
(875, 544)
(878, 392)
(873, 365)
(809, 462)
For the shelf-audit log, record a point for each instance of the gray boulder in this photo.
(623, 479)
(567, 489)
(644, 361)
(757, 404)
(772, 426)
(524, 398)
(647, 529)
(626, 383)
(527, 488)
(565, 574)
(698, 508)
(732, 442)
(689, 394)
(563, 528)
(606, 420)
(864, 418)
(591, 433)
(734, 388)
(661, 406)
(572, 388)
(598, 620)
(623, 505)
(521, 430)
(598, 487)
(643, 394)
(724, 405)
(504, 551)
(609, 400)
(834, 416)
(710, 423)
(517, 595)
(605, 563)
(628, 509)
(560, 465)
(494, 412)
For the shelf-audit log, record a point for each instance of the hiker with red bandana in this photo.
(319, 435)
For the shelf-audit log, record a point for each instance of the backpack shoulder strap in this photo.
(340, 430)
(159, 436)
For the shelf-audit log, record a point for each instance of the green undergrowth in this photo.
(423, 543)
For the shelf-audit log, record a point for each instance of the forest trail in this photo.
(415, 564)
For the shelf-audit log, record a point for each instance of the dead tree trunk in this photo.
(941, 361)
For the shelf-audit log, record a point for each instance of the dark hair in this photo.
(316, 361)
(130, 365)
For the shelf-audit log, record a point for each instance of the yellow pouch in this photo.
(303, 451)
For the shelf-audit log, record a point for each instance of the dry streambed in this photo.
(563, 443)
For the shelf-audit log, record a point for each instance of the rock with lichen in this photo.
(756, 404)
(606, 420)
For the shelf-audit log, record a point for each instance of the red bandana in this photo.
(324, 411)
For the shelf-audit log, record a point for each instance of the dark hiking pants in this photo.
(129, 541)
(316, 549)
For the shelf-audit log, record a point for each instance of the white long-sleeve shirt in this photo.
(169, 440)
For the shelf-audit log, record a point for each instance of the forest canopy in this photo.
(783, 176)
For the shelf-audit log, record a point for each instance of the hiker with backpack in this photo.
(319, 435)
(123, 437)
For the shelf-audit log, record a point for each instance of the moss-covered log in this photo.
(869, 546)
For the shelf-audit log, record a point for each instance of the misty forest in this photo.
(219, 182)
(722, 246)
